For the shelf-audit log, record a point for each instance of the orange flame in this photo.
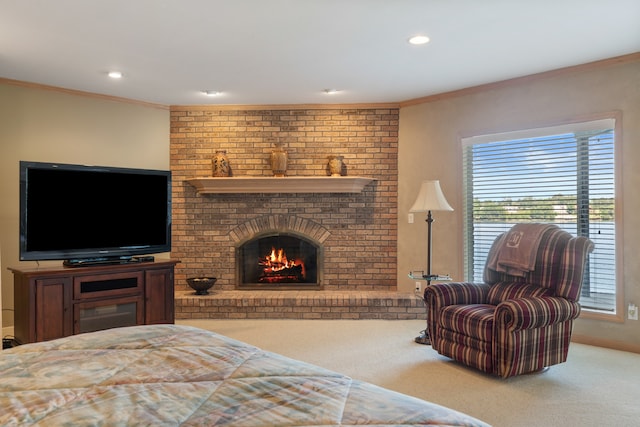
(277, 261)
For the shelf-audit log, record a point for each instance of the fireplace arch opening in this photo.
(279, 260)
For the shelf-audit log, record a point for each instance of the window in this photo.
(562, 175)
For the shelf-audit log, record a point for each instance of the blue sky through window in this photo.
(538, 167)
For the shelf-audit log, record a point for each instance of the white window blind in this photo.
(562, 175)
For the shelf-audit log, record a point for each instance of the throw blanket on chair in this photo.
(516, 251)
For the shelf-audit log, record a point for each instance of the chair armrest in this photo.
(440, 295)
(443, 294)
(535, 312)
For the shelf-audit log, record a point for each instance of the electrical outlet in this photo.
(418, 287)
(632, 313)
(410, 218)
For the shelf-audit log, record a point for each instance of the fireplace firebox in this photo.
(279, 261)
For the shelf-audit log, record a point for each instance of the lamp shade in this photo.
(430, 198)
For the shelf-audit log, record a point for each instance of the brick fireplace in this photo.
(355, 233)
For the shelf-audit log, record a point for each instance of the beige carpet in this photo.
(595, 387)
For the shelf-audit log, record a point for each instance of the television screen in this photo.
(83, 213)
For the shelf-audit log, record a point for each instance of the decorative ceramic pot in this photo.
(335, 165)
(221, 166)
(279, 160)
(201, 284)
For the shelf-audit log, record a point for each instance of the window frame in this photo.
(550, 128)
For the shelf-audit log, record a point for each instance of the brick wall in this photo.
(360, 250)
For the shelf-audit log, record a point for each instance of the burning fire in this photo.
(277, 268)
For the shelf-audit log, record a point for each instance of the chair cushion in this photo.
(504, 291)
(474, 320)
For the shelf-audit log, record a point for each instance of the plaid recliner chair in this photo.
(518, 321)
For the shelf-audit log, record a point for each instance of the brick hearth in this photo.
(354, 305)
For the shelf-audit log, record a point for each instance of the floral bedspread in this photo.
(170, 375)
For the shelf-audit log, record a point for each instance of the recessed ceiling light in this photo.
(211, 92)
(331, 91)
(419, 40)
(115, 74)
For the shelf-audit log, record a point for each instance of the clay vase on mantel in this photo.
(279, 161)
(220, 163)
(335, 165)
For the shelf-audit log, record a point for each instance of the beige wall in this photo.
(1, 330)
(43, 125)
(429, 148)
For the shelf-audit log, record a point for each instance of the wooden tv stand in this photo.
(54, 302)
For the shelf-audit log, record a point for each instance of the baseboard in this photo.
(612, 344)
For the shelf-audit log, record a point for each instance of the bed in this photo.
(173, 375)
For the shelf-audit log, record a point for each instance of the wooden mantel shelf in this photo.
(289, 184)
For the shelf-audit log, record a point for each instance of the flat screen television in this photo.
(93, 214)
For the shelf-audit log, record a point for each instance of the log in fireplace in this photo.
(279, 261)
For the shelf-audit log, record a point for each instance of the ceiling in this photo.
(289, 51)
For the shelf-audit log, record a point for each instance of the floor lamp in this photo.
(430, 198)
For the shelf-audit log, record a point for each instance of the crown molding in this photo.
(81, 93)
(361, 106)
(632, 57)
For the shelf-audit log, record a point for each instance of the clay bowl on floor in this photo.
(201, 284)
